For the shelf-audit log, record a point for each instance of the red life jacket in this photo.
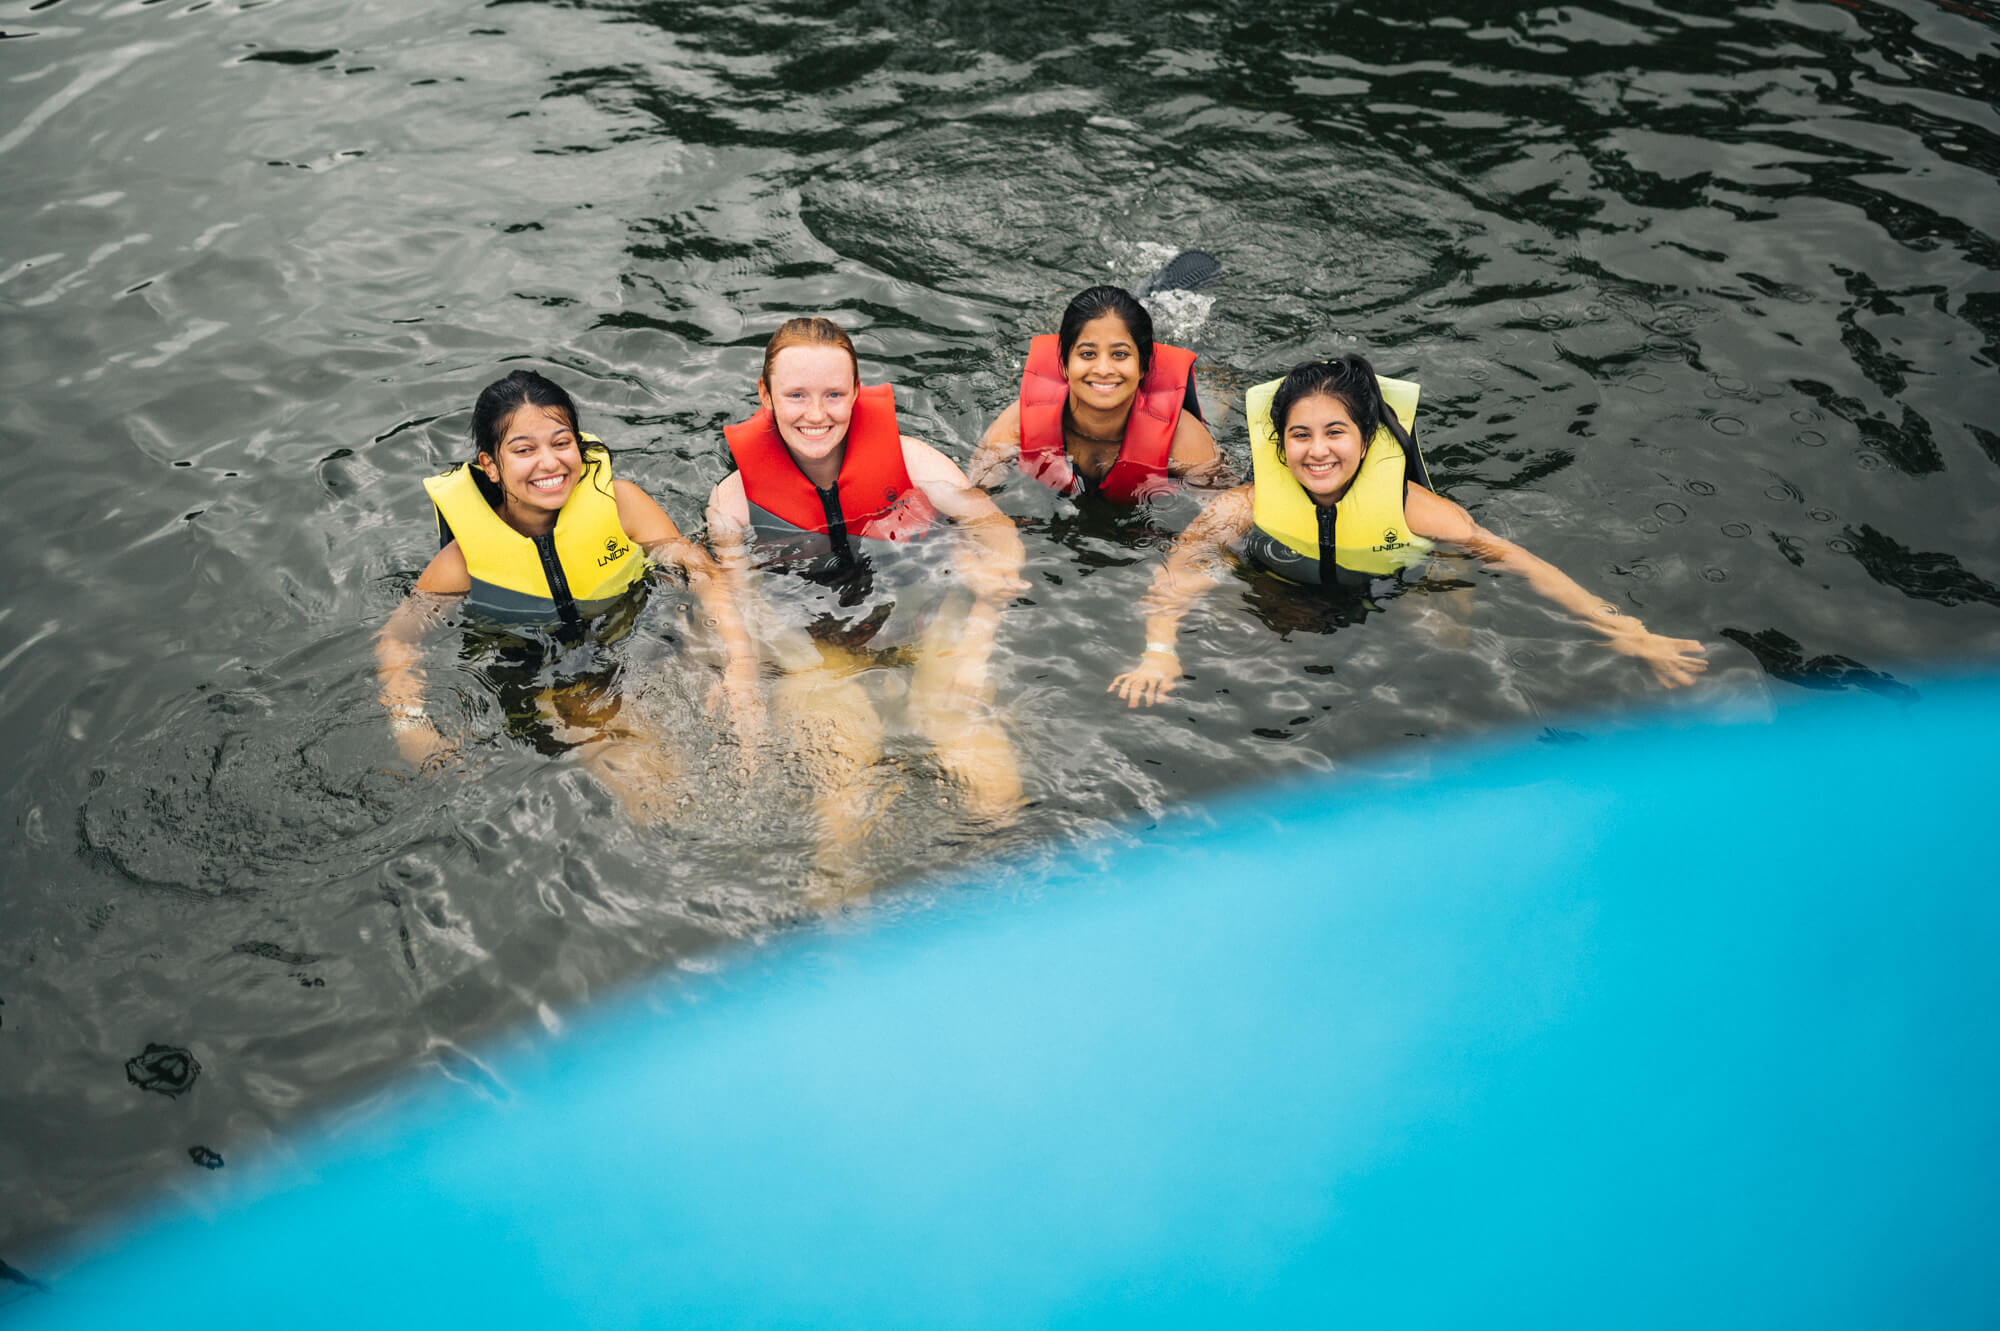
(1141, 468)
(876, 500)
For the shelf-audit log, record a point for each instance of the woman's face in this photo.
(539, 459)
(1103, 366)
(1323, 448)
(811, 397)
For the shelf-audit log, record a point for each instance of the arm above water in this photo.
(1178, 583)
(1673, 661)
(995, 573)
(999, 448)
(399, 649)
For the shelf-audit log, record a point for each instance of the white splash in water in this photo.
(1178, 315)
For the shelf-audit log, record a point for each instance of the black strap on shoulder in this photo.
(444, 528)
(1413, 457)
(1329, 545)
(1190, 402)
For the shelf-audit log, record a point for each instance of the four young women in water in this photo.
(827, 566)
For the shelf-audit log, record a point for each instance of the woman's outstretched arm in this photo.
(1673, 661)
(1187, 574)
(399, 651)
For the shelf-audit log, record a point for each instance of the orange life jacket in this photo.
(1141, 468)
(872, 499)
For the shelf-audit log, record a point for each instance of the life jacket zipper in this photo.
(552, 569)
(1328, 545)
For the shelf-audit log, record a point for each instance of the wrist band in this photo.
(1164, 648)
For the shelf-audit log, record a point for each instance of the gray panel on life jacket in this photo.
(1279, 558)
(500, 605)
(881, 597)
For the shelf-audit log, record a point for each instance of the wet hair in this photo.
(813, 332)
(1349, 381)
(498, 402)
(1097, 302)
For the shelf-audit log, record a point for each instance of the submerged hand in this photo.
(1674, 661)
(739, 688)
(1156, 675)
(420, 744)
(991, 583)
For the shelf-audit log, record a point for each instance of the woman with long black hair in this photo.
(1104, 409)
(1339, 496)
(547, 550)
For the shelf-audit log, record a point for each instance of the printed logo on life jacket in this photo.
(1389, 541)
(613, 552)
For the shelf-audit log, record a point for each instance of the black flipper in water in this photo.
(1184, 272)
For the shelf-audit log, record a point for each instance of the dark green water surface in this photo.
(1704, 299)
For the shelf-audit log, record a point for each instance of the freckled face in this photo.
(811, 397)
(1323, 447)
(1103, 365)
(539, 459)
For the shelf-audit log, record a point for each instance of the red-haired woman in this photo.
(828, 487)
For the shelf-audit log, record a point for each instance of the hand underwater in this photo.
(990, 583)
(740, 689)
(419, 743)
(1675, 662)
(1157, 674)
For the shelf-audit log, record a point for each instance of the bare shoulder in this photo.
(446, 574)
(1193, 445)
(927, 466)
(641, 515)
(1433, 516)
(727, 505)
(1006, 428)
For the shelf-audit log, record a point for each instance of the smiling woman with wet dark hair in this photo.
(1339, 497)
(1103, 409)
(537, 534)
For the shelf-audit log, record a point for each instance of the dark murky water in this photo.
(1704, 299)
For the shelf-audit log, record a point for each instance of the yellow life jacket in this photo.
(575, 571)
(1372, 538)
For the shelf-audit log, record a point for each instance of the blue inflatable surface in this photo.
(1663, 1029)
